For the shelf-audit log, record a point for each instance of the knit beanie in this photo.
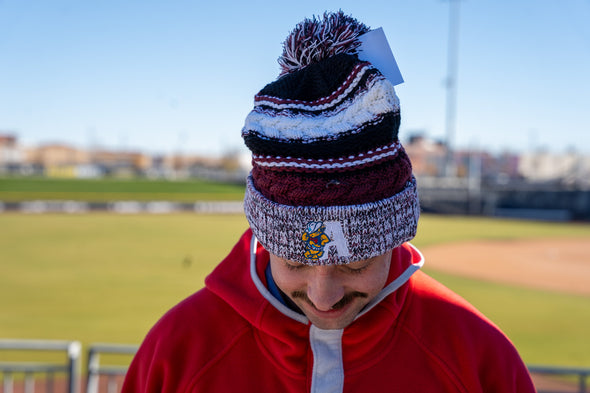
(330, 181)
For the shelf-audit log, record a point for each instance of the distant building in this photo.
(55, 159)
(11, 155)
(428, 160)
(9, 151)
(61, 160)
(569, 169)
(486, 166)
(56, 154)
(121, 163)
(427, 156)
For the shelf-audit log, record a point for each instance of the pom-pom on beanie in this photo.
(330, 181)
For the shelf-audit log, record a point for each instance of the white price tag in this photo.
(375, 49)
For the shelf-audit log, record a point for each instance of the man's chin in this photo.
(329, 325)
(333, 319)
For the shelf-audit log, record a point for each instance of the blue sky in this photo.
(180, 76)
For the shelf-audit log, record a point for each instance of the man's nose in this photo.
(324, 289)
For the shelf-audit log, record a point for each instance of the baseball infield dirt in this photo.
(552, 264)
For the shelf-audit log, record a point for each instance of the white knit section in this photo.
(352, 161)
(378, 99)
(328, 369)
(265, 100)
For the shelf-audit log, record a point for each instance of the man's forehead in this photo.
(353, 264)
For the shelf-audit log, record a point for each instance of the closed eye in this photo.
(293, 266)
(357, 270)
(358, 267)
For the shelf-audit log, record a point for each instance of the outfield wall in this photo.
(123, 207)
(515, 200)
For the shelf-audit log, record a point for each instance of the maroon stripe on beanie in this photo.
(340, 164)
(335, 189)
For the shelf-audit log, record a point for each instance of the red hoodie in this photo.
(234, 336)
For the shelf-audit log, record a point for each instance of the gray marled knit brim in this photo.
(355, 232)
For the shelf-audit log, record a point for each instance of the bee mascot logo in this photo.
(315, 238)
(318, 236)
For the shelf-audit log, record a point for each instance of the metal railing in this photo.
(70, 366)
(111, 372)
(581, 373)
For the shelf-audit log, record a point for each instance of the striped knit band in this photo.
(320, 235)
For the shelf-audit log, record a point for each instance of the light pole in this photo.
(451, 85)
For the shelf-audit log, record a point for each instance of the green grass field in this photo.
(108, 277)
(100, 190)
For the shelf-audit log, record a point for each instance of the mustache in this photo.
(346, 299)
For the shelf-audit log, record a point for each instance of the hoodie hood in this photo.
(240, 281)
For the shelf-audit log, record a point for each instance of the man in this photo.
(323, 293)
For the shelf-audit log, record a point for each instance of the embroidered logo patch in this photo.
(319, 236)
(314, 238)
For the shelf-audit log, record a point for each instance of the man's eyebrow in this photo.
(293, 263)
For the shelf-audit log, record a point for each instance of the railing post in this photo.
(96, 370)
(112, 385)
(49, 383)
(93, 363)
(71, 367)
(74, 351)
(29, 383)
(7, 383)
